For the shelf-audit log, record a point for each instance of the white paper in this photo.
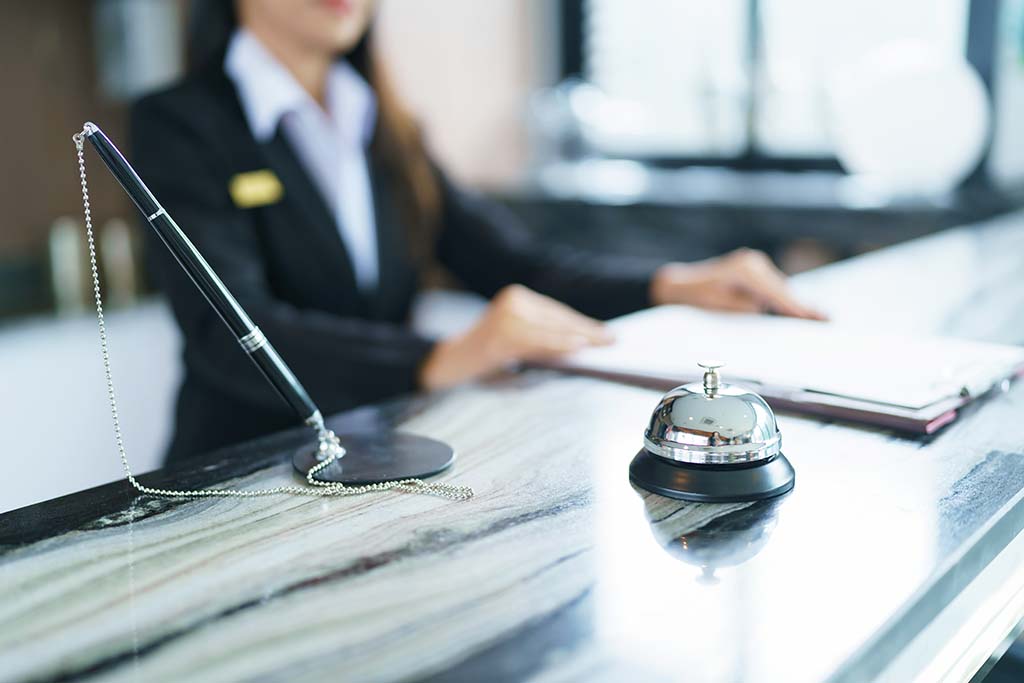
(911, 372)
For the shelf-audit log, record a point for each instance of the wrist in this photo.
(455, 360)
(435, 371)
(668, 283)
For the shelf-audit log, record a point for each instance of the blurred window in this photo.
(677, 73)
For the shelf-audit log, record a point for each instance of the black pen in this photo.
(249, 336)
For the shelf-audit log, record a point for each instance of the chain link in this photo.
(330, 447)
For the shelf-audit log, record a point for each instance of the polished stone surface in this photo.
(558, 570)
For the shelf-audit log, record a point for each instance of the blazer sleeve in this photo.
(487, 247)
(340, 361)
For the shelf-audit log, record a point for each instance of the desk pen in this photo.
(385, 460)
(249, 336)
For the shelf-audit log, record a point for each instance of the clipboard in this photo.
(907, 383)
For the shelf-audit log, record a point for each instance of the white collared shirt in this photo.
(330, 144)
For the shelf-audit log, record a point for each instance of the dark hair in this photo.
(398, 142)
(210, 25)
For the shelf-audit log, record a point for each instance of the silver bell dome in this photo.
(711, 423)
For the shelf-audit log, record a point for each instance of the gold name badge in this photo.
(255, 188)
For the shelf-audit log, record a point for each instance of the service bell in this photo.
(712, 442)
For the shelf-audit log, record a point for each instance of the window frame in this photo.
(981, 34)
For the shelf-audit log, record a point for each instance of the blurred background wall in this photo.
(50, 81)
(813, 129)
(468, 68)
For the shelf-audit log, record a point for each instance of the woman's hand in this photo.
(742, 280)
(519, 324)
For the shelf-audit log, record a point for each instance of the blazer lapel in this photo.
(303, 197)
(391, 249)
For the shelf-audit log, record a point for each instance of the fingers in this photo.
(760, 279)
(558, 335)
(561, 319)
(529, 315)
(734, 300)
(744, 281)
(543, 345)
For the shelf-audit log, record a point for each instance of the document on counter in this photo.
(905, 382)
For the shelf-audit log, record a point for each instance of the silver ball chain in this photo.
(330, 448)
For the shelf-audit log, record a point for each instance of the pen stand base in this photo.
(371, 458)
(712, 483)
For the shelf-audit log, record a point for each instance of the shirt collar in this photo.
(268, 92)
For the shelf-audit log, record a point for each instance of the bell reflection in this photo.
(690, 532)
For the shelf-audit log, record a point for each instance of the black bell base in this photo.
(371, 458)
(712, 483)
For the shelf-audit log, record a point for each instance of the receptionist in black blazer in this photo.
(290, 163)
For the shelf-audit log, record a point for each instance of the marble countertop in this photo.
(558, 570)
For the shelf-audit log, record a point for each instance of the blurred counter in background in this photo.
(57, 436)
(803, 219)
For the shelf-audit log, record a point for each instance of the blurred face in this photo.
(327, 26)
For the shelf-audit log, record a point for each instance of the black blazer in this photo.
(288, 267)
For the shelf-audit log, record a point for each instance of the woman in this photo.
(289, 162)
